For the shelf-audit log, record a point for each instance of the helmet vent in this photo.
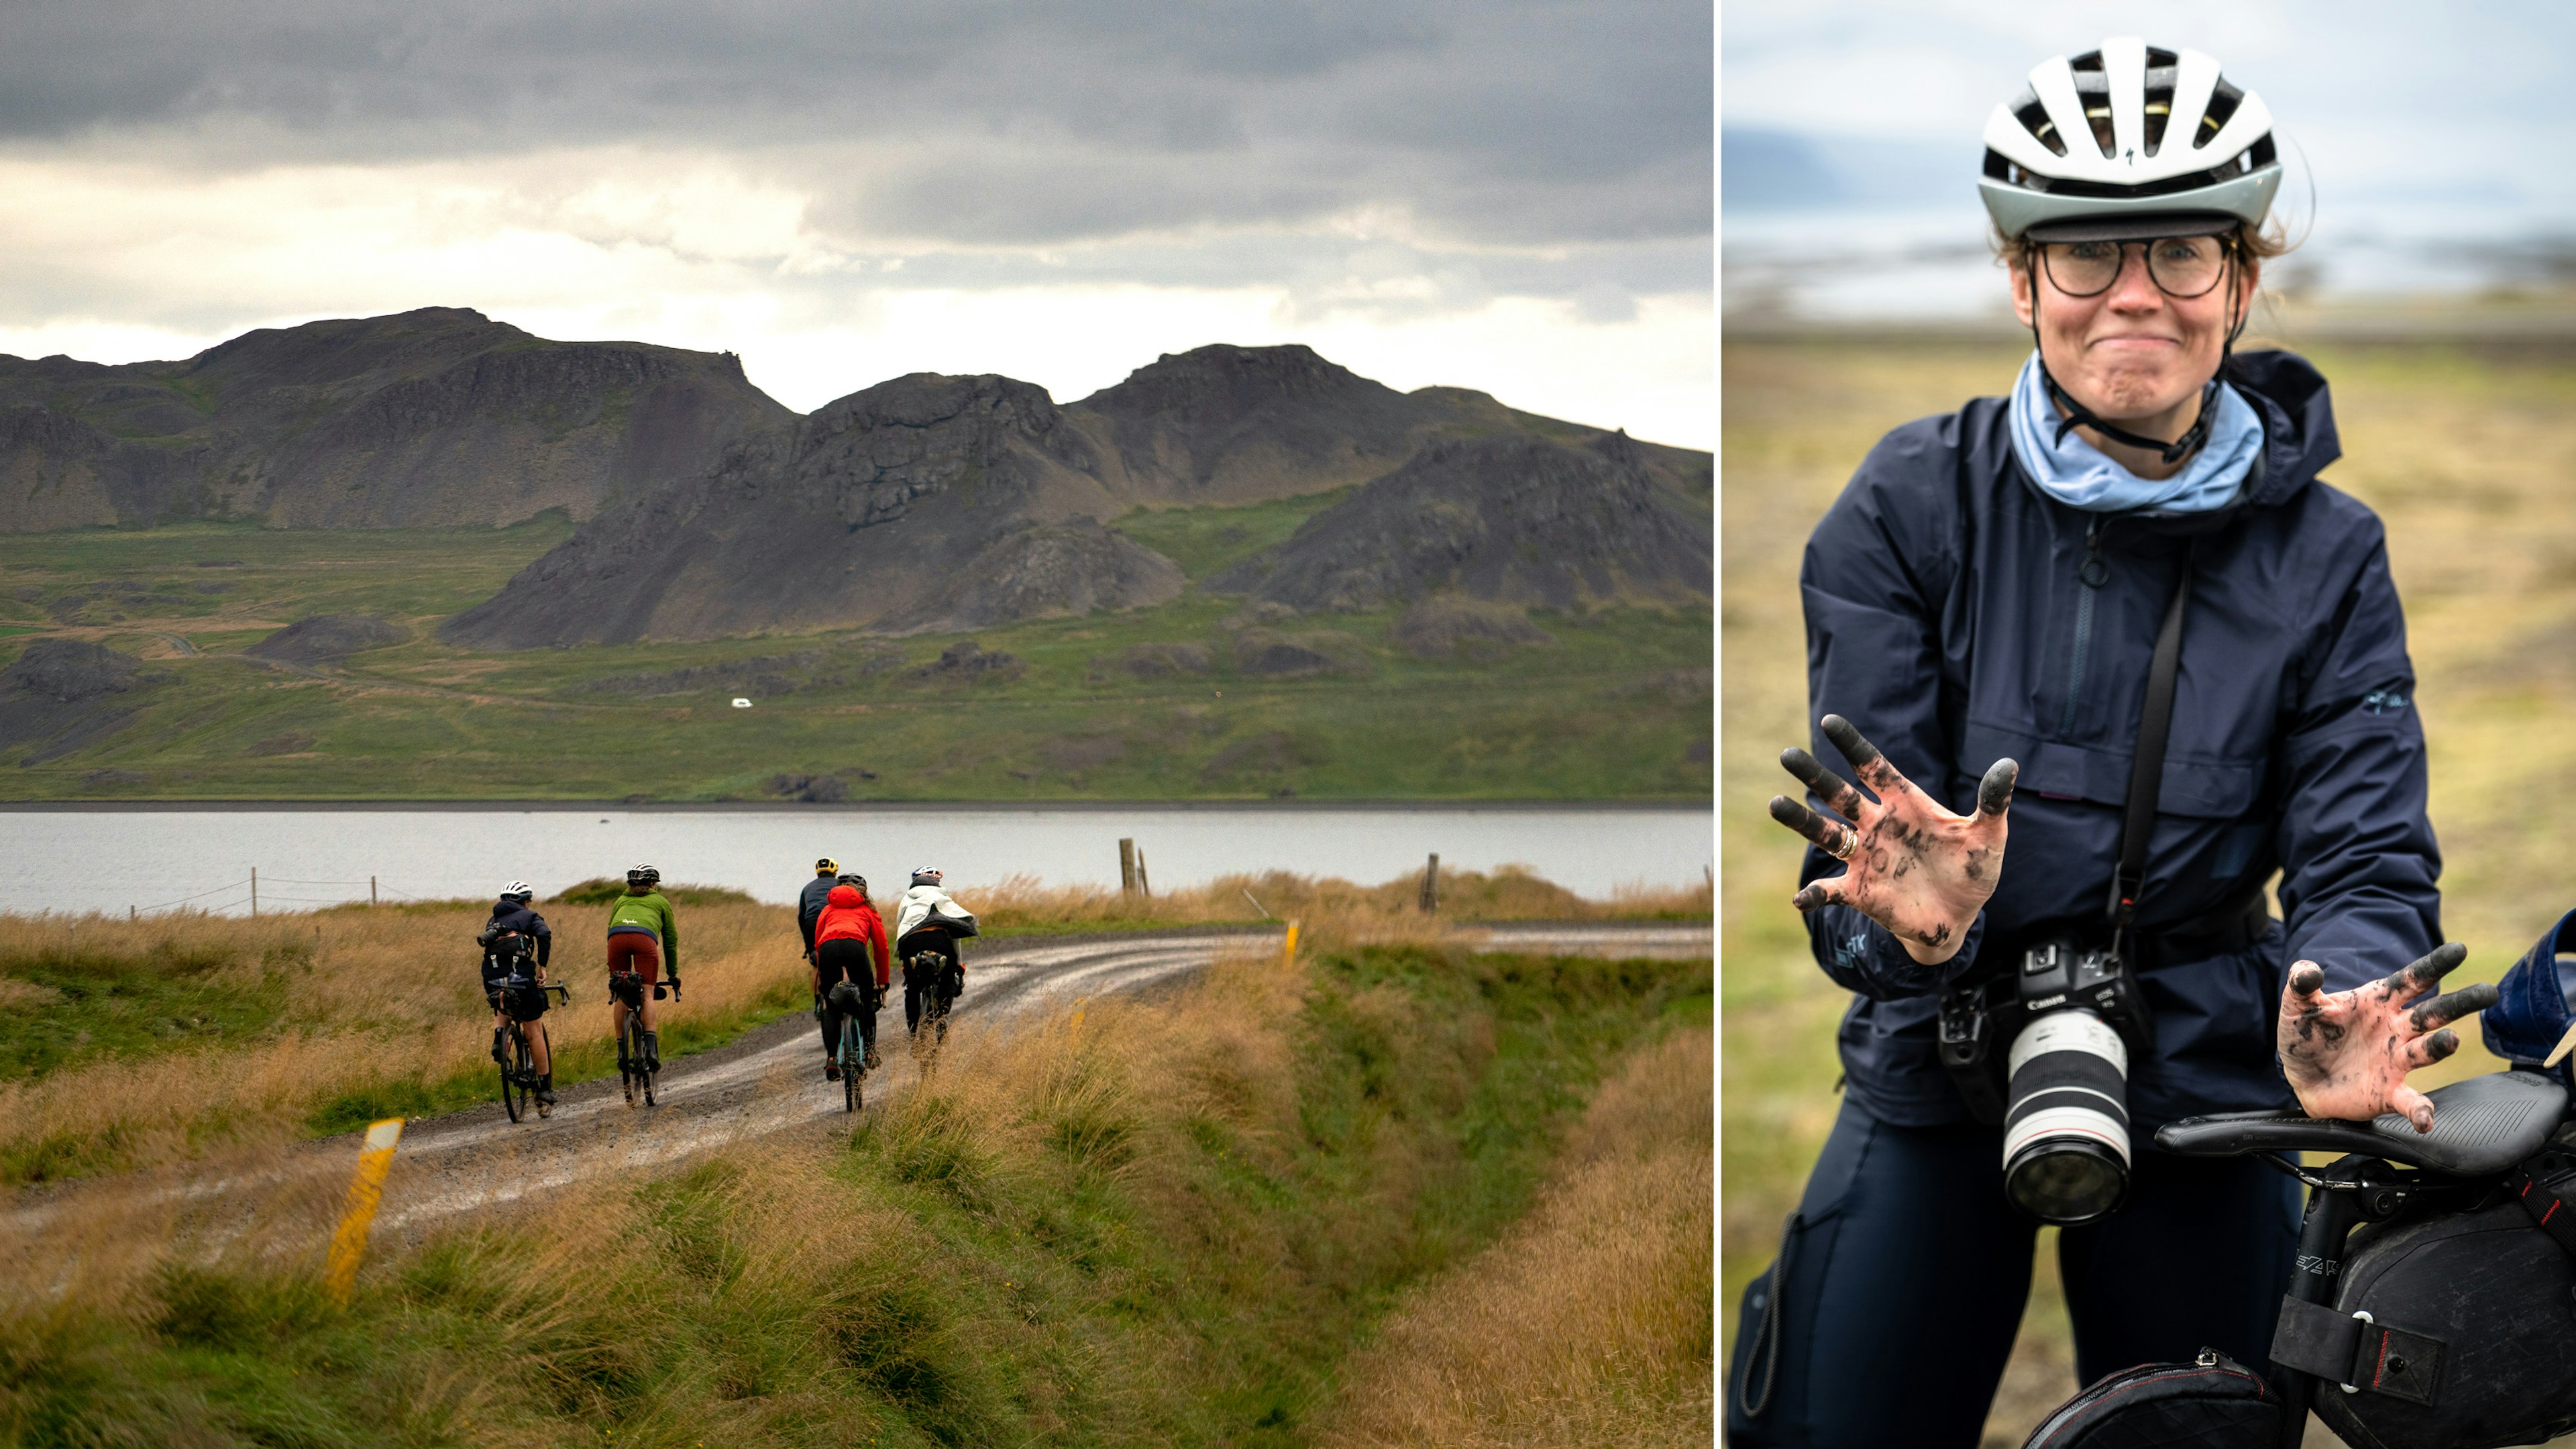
(2161, 75)
(2223, 101)
(2034, 119)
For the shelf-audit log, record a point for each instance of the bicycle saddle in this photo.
(2480, 1126)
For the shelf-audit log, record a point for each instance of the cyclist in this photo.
(849, 945)
(928, 926)
(643, 936)
(810, 904)
(514, 986)
(1992, 587)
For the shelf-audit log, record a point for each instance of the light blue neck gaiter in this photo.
(2077, 474)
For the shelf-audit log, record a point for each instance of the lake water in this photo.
(109, 860)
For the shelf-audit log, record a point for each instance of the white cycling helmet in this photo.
(519, 890)
(2128, 141)
(927, 876)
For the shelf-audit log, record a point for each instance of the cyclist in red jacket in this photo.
(849, 945)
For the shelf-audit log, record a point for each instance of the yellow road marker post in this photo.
(366, 1190)
(1074, 1028)
(1288, 953)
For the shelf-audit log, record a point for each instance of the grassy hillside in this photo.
(1163, 1227)
(2466, 455)
(1154, 704)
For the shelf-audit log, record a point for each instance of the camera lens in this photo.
(2066, 1119)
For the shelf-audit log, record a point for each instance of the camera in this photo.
(2045, 1053)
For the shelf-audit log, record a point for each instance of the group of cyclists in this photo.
(845, 940)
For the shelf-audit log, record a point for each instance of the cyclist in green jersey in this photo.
(643, 935)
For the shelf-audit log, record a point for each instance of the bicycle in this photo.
(2497, 1147)
(850, 1054)
(634, 1069)
(519, 1075)
(938, 981)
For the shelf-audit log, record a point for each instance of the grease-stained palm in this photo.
(1915, 866)
(2347, 1053)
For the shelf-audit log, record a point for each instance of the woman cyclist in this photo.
(849, 945)
(643, 937)
(513, 984)
(1990, 588)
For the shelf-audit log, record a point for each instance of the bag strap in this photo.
(2551, 1213)
(2147, 771)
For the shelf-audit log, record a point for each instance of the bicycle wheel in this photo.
(853, 1062)
(514, 1085)
(649, 1071)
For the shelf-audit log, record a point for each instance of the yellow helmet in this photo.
(827, 866)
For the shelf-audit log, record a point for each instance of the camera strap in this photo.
(2147, 771)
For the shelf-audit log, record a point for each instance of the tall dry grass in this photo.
(1146, 1223)
(1589, 1323)
(379, 1011)
(1509, 893)
(383, 1006)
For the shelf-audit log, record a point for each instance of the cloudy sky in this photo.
(2426, 142)
(1514, 195)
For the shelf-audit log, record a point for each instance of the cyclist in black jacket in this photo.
(809, 906)
(513, 983)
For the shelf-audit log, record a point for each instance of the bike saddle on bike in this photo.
(2481, 1126)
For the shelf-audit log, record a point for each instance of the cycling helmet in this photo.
(645, 876)
(827, 866)
(2125, 142)
(927, 876)
(520, 891)
(853, 878)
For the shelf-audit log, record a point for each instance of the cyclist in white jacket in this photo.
(928, 925)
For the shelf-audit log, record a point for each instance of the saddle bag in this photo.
(847, 997)
(2462, 1325)
(2212, 1401)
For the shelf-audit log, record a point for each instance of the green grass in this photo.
(1068, 1257)
(1204, 540)
(67, 1007)
(1615, 708)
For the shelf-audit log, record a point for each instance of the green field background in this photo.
(2468, 453)
(1616, 706)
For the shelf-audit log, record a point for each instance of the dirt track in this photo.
(771, 1079)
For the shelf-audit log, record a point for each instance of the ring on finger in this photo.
(1850, 843)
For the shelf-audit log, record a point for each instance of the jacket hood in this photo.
(845, 895)
(2299, 438)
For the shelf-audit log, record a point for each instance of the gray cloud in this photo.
(946, 122)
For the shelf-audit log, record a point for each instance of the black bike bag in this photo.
(2455, 1330)
(2213, 1401)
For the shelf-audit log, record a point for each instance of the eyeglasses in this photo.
(2180, 266)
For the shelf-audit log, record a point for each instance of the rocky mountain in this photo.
(439, 416)
(950, 503)
(1504, 520)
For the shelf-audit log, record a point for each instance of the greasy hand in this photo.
(1915, 868)
(2347, 1053)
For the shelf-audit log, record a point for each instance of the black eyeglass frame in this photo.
(2227, 246)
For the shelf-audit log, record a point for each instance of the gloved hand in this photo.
(2347, 1053)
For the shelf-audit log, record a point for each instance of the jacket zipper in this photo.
(2092, 574)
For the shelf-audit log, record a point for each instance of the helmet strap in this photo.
(2078, 415)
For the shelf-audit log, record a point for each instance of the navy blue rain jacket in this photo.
(1947, 620)
(809, 905)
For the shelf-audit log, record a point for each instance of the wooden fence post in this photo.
(1144, 883)
(1431, 885)
(371, 890)
(1126, 867)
